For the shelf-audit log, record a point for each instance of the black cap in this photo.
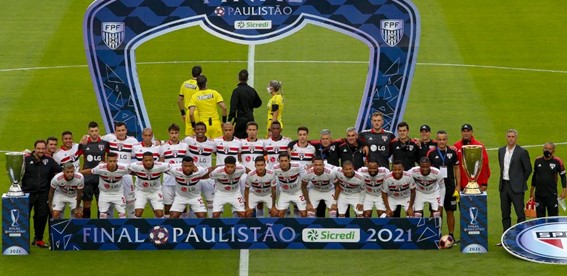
(425, 127)
(466, 126)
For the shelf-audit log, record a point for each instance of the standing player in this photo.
(403, 148)
(323, 185)
(148, 184)
(227, 145)
(275, 144)
(467, 138)
(242, 103)
(547, 168)
(398, 189)
(122, 145)
(227, 186)
(146, 145)
(275, 104)
(68, 151)
(206, 101)
(349, 190)
(171, 152)
(445, 159)
(373, 179)
(430, 188)
(301, 151)
(378, 140)
(66, 189)
(260, 187)
(110, 174)
(93, 151)
(288, 175)
(188, 88)
(425, 143)
(201, 149)
(188, 189)
(51, 146)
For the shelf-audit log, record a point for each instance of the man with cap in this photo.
(467, 138)
(425, 143)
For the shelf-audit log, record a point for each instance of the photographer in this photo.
(39, 170)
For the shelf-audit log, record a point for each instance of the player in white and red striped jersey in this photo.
(69, 151)
(373, 178)
(188, 179)
(201, 148)
(110, 185)
(66, 189)
(301, 151)
(227, 184)
(227, 145)
(171, 152)
(275, 144)
(323, 180)
(398, 189)
(122, 144)
(148, 184)
(430, 187)
(349, 189)
(260, 187)
(288, 176)
(252, 147)
(147, 144)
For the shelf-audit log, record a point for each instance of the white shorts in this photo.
(105, 200)
(348, 199)
(155, 199)
(234, 199)
(421, 198)
(168, 194)
(196, 204)
(208, 189)
(371, 201)
(286, 198)
(317, 196)
(60, 201)
(129, 192)
(254, 199)
(394, 202)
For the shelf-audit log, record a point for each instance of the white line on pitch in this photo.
(244, 260)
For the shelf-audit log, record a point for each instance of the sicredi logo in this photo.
(330, 235)
(542, 240)
(253, 24)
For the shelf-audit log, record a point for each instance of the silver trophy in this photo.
(15, 169)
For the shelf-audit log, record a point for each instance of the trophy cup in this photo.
(472, 164)
(15, 169)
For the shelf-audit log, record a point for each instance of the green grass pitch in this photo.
(494, 64)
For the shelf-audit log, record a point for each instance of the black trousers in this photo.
(240, 127)
(509, 198)
(38, 202)
(323, 207)
(547, 203)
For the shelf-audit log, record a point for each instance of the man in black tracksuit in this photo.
(242, 103)
(39, 170)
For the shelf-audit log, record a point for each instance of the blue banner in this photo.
(15, 225)
(474, 223)
(249, 233)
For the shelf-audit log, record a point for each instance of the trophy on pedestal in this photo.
(472, 164)
(15, 169)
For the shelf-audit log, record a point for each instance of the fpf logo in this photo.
(113, 34)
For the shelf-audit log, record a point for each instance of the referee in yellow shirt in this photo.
(275, 105)
(206, 101)
(188, 88)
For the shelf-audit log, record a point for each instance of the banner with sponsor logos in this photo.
(15, 225)
(249, 233)
(474, 223)
(113, 29)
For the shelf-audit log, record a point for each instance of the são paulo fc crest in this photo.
(113, 34)
(392, 31)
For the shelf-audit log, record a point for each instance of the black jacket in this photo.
(38, 173)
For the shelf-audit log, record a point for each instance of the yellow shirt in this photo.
(275, 100)
(206, 102)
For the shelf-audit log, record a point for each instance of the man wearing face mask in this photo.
(467, 138)
(547, 168)
(515, 169)
(275, 104)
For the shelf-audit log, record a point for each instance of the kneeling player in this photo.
(227, 187)
(148, 184)
(188, 190)
(288, 175)
(398, 189)
(110, 185)
(349, 190)
(430, 187)
(66, 189)
(260, 186)
(323, 182)
(373, 178)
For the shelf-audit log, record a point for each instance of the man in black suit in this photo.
(515, 168)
